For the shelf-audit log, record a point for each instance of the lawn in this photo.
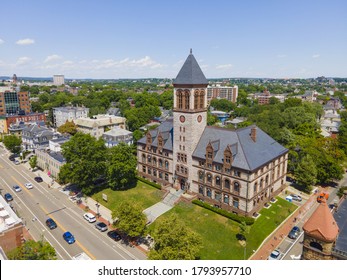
(142, 194)
(219, 233)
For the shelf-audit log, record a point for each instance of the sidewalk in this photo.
(276, 237)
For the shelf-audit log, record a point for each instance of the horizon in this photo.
(137, 40)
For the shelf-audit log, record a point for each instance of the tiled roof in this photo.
(247, 154)
(190, 73)
(322, 225)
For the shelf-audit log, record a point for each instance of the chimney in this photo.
(254, 133)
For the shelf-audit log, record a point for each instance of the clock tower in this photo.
(189, 119)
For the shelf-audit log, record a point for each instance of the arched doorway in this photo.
(183, 184)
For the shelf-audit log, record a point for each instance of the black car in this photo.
(115, 235)
(294, 233)
(51, 223)
(12, 157)
(38, 179)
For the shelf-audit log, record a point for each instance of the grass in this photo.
(219, 233)
(142, 194)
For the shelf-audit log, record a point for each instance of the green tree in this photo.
(211, 119)
(222, 105)
(137, 135)
(121, 169)
(68, 127)
(130, 218)
(306, 172)
(33, 162)
(174, 241)
(85, 161)
(33, 250)
(12, 143)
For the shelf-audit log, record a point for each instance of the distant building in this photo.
(99, 124)
(11, 227)
(222, 92)
(117, 135)
(12, 123)
(14, 78)
(58, 80)
(36, 137)
(50, 161)
(63, 114)
(14, 103)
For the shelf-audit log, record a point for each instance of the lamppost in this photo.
(97, 209)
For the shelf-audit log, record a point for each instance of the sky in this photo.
(105, 39)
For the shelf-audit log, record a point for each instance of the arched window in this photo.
(209, 178)
(186, 100)
(202, 99)
(166, 164)
(196, 100)
(209, 193)
(266, 180)
(261, 183)
(201, 190)
(227, 184)
(218, 181)
(201, 176)
(143, 158)
(160, 162)
(226, 199)
(236, 202)
(236, 187)
(179, 102)
(155, 161)
(316, 245)
(255, 187)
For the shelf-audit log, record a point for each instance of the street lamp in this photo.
(97, 209)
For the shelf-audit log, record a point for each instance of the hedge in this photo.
(248, 220)
(157, 186)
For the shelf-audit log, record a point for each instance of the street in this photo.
(35, 205)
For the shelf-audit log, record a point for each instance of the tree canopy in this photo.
(68, 127)
(12, 143)
(174, 241)
(33, 250)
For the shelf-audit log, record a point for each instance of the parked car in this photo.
(12, 157)
(38, 179)
(294, 233)
(51, 223)
(89, 217)
(116, 234)
(296, 197)
(28, 185)
(68, 237)
(8, 197)
(17, 188)
(101, 226)
(16, 162)
(275, 255)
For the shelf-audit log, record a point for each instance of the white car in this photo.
(17, 188)
(28, 185)
(89, 217)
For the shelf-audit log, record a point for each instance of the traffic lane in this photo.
(294, 252)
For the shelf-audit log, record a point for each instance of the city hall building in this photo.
(237, 170)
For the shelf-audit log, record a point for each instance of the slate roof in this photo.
(190, 73)
(166, 131)
(322, 224)
(340, 217)
(247, 154)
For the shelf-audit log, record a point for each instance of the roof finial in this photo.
(191, 51)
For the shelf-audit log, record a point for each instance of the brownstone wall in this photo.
(12, 238)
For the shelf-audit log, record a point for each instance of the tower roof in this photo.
(321, 224)
(190, 73)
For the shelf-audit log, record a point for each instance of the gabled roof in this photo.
(166, 131)
(247, 154)
(322, 225)
(190, 73)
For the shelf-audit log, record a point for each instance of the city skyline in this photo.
(141, 39)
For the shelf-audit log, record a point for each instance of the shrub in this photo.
(157, 186)
(248, 220)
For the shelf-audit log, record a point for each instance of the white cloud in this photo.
(315, 55)
(26, 41)
(52, 57)
(224, 66)
(1, 41)
(145, 62)
(23, 60)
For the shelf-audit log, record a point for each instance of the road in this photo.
(34, 206)
(292, 249)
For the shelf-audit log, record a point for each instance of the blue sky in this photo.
(140, 39)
